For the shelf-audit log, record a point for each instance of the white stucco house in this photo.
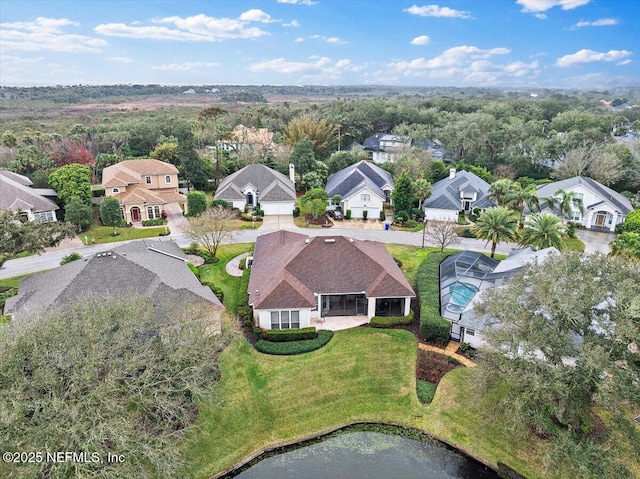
(258, 184)
(460, 191)
(296, 279)
(603, 208)
(363, 186)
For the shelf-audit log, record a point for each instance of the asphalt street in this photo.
(32, 264)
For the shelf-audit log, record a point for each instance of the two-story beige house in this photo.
(144, 188)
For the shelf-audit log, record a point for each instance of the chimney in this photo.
(292, 172)
(452, 173)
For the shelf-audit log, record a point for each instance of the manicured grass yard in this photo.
(573, 244)
(216, 274)
(104, 234)
(411, 258)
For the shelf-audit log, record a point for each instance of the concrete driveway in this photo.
(175, 219)
(277, 222)
(595, 241)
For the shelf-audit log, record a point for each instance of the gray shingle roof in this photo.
(273, 186)
(145, 267)
(16, 195)
(351, 179)
(446, 192)
(614, 198)
(287, 270)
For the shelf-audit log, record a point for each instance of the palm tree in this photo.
(542, 231)
(517, 198)
(499, 191)
(566, 202)
(497, 225)
(422, 190)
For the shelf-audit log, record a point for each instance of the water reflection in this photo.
(368, 455)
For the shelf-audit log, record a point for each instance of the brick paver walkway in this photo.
(450, 350)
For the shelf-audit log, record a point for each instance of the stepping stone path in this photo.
(233, 266)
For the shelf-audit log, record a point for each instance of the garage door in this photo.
(373, 213)
(277, 208)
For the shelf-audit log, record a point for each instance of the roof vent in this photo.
(330, 240)
(307, 241)
(351, 239)
(109, 253)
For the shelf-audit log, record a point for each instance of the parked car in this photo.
(336, 215)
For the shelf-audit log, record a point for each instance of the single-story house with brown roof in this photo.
(295, 279)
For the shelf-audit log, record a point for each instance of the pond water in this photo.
(368, 455)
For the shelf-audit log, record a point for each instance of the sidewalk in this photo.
(450, 351)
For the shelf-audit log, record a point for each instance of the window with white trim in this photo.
(156, 210)
(469, 332)
(44, 217)
(167, 179)
(285, 319)
(150, 212)
(365, 197)
(147, 179)
(576, 215)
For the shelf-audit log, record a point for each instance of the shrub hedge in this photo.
(193, 269)
(154, 222)
(432, 325)
(284, 335)
(70, 257)
(390, 321)
(294, 347)
(216, 290)
(243, 310)
(196, 202)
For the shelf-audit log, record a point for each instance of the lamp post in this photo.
(424, 229)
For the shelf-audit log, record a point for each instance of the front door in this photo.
(601, 217)
(250, 199)
(135, 214)
(467, 206)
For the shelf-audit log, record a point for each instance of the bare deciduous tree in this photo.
(591, 161)
(441, 232)
(211, 228)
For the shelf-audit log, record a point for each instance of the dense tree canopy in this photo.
(18, 235)
(565, 338)
(72, 181)
(117, 375)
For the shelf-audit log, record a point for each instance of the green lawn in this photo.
(104, 234)
(411, 257)
(573, 244)
(216, 274)
(361, 375)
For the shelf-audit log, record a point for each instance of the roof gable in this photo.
(446, 192)
(16, 196)
(260, 177)
(350, 180)
(606, 194)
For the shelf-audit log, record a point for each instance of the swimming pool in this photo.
(462, 294)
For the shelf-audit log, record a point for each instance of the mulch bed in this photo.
(323, 221)
(431, 366)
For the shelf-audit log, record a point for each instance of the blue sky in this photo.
(523, 43)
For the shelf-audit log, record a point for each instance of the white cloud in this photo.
(293, 24)
(183, 67)
(589, 56)
(280, 65)
(46, 34)
(455, 56)
(299, 40)
(297, 2)
(120, 59)
(421, 40)
(540, 16)
(468, 65)
(436, 11)
(10, 59)
(327, 39)
(603, 22)
(198, 28)
(532, 6)
(624, 62)
(256, 15)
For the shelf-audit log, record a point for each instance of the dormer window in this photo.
(167, 179)
(115, 190)
(147, 179)
(365, 197)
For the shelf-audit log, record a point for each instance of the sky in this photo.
(480, 43)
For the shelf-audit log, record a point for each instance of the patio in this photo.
(337, 323)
